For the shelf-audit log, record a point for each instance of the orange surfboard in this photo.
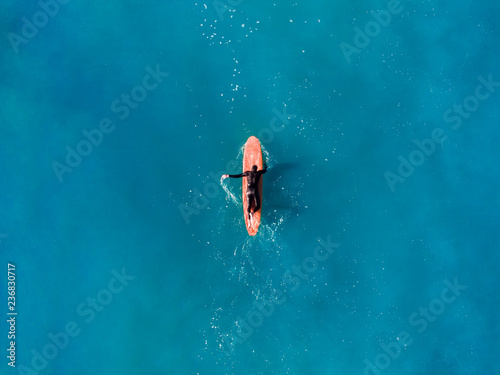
(252, 156)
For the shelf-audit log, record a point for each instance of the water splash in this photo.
(230, 192)
(268, 159)
(230, 195)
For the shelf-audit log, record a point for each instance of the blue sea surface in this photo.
(378, 251)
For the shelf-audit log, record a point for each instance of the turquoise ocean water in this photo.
(378, 250)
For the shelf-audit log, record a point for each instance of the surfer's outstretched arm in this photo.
(244, 174)
(237, 175)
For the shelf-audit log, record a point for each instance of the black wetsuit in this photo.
(253, 197)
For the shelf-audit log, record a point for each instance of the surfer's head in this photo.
(254, 168)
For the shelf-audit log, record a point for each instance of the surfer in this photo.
(253, 197)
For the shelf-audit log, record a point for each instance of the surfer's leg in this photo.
(257, 200)
(250, 201)
(250, 198)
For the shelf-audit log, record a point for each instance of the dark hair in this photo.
(254, 168)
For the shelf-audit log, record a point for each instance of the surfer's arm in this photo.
(244, 174)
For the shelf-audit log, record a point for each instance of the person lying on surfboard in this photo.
(253, 197)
